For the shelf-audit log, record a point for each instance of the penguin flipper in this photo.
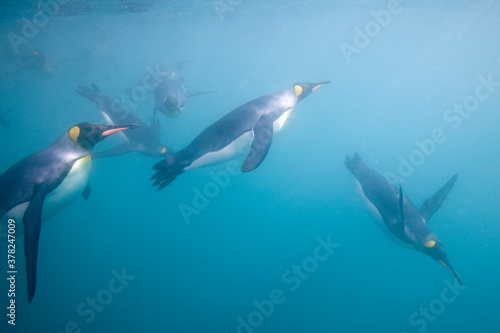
(200, 92)
(32, 220)
(400, 229)
(432, 204)
(118, 150)
(262, 139)
(86, 192)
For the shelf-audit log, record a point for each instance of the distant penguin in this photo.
(151, 78)
(399, 214)
(144, 140)
(34, 60)
(250, 125)
(48, 180)
(171, 96)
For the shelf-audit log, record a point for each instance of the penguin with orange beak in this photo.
(144, 140)
(46, 182)
(399, 214)
(249, 127)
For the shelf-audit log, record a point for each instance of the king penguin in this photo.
(250, 125)
(399, 214)
(171, 96)
(47, 181)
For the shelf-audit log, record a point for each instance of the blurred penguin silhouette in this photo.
(34, 60)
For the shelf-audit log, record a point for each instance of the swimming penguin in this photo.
(46, 181)
(35, 60)
(171, 96)
(151, 78)
(399, 214)
(144, 139)
(250, 125)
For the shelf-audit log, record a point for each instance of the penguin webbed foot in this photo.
(90, 93)
(166, 171)
(352, 162)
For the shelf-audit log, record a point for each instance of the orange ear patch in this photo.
(74, 133)
(430, 243)
(298, 90)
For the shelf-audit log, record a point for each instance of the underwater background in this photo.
(398, 70)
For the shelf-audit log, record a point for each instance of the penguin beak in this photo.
(447, 264)
(171, 105)
(435, 250)
(176, 109)
(118, 129)
(320, 84)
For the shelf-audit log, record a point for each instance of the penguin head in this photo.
(436, 251)
(303, 89)
(171, 106)
(87, 135)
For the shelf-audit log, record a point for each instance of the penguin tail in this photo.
(89, 93)
(353, 162)
(166, 171)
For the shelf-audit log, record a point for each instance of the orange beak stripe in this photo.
(113, 131)
(319, 85)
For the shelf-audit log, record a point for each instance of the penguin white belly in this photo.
(69, 190)
(229, 152)
(278, 123)
(369, 206)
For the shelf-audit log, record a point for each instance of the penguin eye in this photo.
(74, 133)
(430, 243)
(298, 90)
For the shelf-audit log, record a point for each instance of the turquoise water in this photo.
(397, 70)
